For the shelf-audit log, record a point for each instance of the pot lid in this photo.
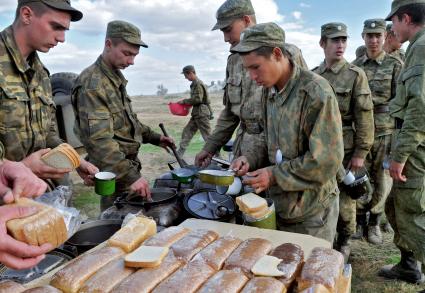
(209, 204)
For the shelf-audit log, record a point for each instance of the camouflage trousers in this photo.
(347, 206)
(380, 177)
(405, 210)
(199, 123)
(321, 225)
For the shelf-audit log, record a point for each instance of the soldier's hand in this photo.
(260, 179)
(355, 164)
(396, 170)
(203, 159)
(15, 254)
(39, 168)
(17, 180)
(141, 187)
(87, 170)
(240, 166)
(166, 142)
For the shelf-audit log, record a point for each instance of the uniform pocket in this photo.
(343, 96)
(45, 113)
(234, 88)
(100, 125)
(14, 109)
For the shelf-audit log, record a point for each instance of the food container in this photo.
(266, 222)
(217, 177)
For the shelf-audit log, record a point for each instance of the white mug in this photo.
(349, 178)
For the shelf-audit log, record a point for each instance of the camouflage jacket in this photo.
(242, 107)
(355, 105)
(304, 123)
(198, 99)
(106, 123)
(1, 151)
(382, 74)
(409, 106)
(27, 111)
(400, 54)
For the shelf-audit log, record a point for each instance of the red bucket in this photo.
(179, 109)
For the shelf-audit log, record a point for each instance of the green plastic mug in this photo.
(267, 222)
(104, 183)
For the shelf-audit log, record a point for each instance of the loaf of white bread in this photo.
(167, 237)
(292, 260)
(192, 243)
(11, 287)
(73, 276)
(42, 289)
(46, 226)
(133, 234)
(225, 281)
(323, 267)
(264, 284)
(63, 156)
(253, 205)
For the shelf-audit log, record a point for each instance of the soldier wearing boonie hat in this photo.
(382, 70)
(104, 118)
(351, 88)
(32, 112)
(405, 205)
(296, 199)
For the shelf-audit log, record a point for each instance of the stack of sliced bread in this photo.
(63, 156)
(253, 205)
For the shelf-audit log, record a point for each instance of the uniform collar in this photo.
(115, 76)
(284, 93)
(336, 68)
(416, 37)
(378, 59)
(21, 64)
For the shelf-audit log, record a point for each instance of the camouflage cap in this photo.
(64, 5)
(334, 30)
(231, 10)
(260, 35)
(397, 4)
(376, 25)
(188, 68)
(126, 31)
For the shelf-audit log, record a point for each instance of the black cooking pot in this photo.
(159, 195)
(93, 233)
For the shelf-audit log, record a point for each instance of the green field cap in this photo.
(126, 31)
(232, 10)
(334, 30)
(64, 5)
(397, 4)
(376, 25)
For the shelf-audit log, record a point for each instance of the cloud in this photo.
(297, 15)
(305, 5)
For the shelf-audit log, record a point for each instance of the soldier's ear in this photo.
(26, 14)
(108, 44)
(277, 53)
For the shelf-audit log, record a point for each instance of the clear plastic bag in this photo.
(58, 199)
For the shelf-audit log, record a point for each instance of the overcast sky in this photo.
(178, 33)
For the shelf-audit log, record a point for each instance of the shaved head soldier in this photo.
(356, 107)
(242, 96)
(382, 71)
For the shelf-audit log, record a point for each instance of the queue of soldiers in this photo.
(298, 132)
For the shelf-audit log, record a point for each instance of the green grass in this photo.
(194, 147)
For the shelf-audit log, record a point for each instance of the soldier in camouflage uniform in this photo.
(201, 112)
(392, 45)
(28, 122)
(356, 108)
(405, 206)
(303, 124)
(242, 96)
(105, 121)
(382, 71)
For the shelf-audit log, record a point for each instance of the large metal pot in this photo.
(93, 233)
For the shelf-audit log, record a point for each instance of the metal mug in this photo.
(104, 183)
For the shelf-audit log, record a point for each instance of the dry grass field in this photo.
(366, 259)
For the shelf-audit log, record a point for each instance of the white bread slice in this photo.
(146, 257)
(251, 202)
(260, 214)
(133, 234)
(57, 159)
(266, 266)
